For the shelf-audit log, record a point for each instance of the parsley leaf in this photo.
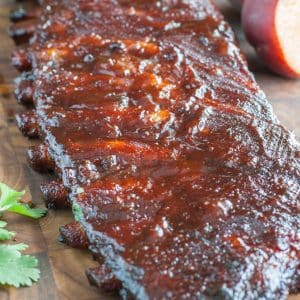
(10, 201)
(5, 234)
(17, 269)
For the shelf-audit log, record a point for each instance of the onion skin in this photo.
(258, 19)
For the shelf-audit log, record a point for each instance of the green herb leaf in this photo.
(77, 211)
(9, 195)
(10, 201)
(17, 269)
(25, 210)
(5, 234)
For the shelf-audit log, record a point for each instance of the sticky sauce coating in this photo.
(180, 173)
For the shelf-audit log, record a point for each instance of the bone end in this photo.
(21, 32)
(24, 88)
(104, 279)
(20, 59)
(21, 14)
(74, 236)
(39, 158)
(28, 123)
(55, 195)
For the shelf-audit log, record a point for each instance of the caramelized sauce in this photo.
(184, 180)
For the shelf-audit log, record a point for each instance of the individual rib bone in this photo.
(73, 235)
(28, 123)
(104, 279)
(21, 14)
(21, 60)
(39, 158)
(55, 194)
(24, 88)
(21, 32)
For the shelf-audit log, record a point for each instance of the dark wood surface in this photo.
(62, 268)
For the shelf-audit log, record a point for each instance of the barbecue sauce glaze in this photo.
(179, 172)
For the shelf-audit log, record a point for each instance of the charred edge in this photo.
(126, 295)
(21, 32)
(104, 279)
(21, 60)
(39, 158)
(295, 283)
(74, 236)
(55, 195)
(28, 123)
(96, 256)
(58, 171)
(21, 14)
(24, 88)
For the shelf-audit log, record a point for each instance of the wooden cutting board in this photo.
(62, 268)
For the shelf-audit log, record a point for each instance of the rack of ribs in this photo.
(182, 182)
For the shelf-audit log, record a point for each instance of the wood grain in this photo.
(63, 268)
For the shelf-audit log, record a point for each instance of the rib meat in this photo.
(178, 172)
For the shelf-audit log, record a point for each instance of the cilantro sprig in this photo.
(5, 234)
(10, 201)
(16, 269)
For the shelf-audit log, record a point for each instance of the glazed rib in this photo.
(177, 170)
